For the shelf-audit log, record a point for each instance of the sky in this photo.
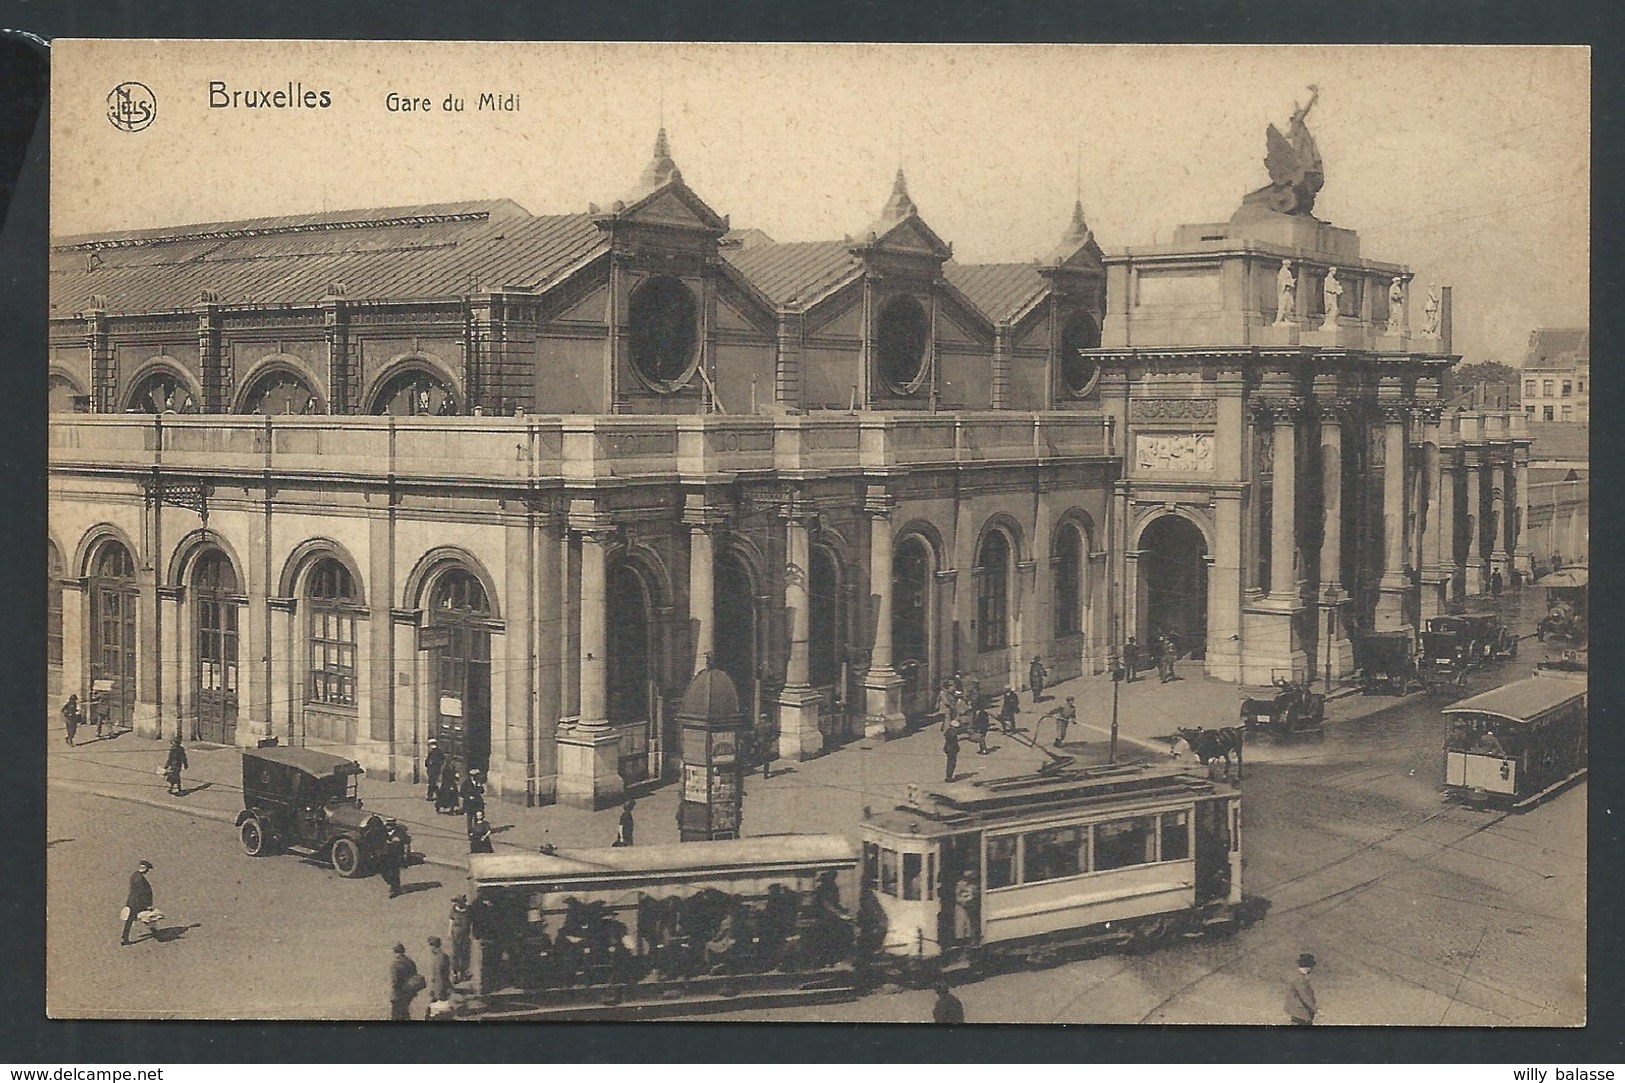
(1470, 165)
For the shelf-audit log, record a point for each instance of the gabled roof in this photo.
(901, 227)
(662, 198)
(482, 209)
(395, 254)
(1558, 347)
(1000, 291)
(799, 271)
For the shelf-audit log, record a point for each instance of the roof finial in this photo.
(899, 206)
(661, 169)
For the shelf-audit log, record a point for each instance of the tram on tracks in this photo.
(1514, 745)
(1564, 631)
(958, 877)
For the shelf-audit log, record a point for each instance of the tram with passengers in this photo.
(1564, 631)
(1518, 743)
(982, 874)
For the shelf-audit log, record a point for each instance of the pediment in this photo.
(673, 205)
(912, 237)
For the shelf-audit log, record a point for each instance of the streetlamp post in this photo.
(1331, 630)
(1117, 680)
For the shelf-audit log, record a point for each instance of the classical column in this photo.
(882, 685)
(589, 751)
(1436, 526)
(701, 592)
(1336, 654)
(1495, 552)
(1395, 585)
(1473, 573)
(1522, 556)
(800, 707)
(1283, 503)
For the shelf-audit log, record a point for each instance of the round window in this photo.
(1078, 369)
(664, 330)
(903, 334)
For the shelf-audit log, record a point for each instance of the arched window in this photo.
(53, 604)
(665, 328)
(215, 670)
(459, 616)
(902, 335)
(1069, 581)
(113, 597)
(162, 392)
(1078, 369)
(415, 391)
(64, 396)
(993, 592)
(281, 392)
(332, 605)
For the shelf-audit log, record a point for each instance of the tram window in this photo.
(1052, 854)
(888, 872)
(931, 875)
(912, 864)
(1001, 861)
(871, 865)
(1122, 843)
(1176, 836)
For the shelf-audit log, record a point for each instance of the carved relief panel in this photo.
(1174, 453)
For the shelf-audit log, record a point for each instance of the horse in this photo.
(1208, 745)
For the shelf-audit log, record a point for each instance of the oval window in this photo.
(664, 331)
(1078, 369)
(903, 333)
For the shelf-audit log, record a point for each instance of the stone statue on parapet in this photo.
(1430, 314)
(1286, 285)
(1332, 294)
(1293, 161)
(1396, 307)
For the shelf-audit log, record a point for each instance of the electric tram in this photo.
(1518, 743)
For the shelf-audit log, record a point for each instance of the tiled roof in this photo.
(444, 250)
(1563, 440)
(795, 271)
(1000, 290)
(1558, 347)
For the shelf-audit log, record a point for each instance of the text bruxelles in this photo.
(293, 96)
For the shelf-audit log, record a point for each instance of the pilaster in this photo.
(800, 707)
(882, 685)
(1395, 587)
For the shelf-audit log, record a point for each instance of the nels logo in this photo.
(131, 107)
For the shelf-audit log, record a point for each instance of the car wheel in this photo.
(346, 858)
(255, 841)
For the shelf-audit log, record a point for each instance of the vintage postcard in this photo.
(818, 533)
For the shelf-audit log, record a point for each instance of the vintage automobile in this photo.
(1485, 639)
(1442, 661)
(1386, 663)
(1293, 708)
(305, 801)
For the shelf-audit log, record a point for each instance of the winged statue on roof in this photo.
(1293, 161)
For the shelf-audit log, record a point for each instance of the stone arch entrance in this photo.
(458, 628)
(734, 642)
(216, 605)
(630, 687)
(1174, 582)
(825, 644)
(114, 594)
(912, 569)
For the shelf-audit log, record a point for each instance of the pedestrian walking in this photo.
(1166, 653)
(980, 723)
(956, 710)
(1065, 715)
(943, 704)
(950, 749)
(1300, 994)
(1008, 709)
(445, 793)
(459, 927)
(139, 901)
(1036, 676)
(1497, 584)
(473, 796)
(433, 763)
(479, 835)
(439, 981)
(405, 983)
(948, 1008)
(71, 718)
(624, 835)
(1131, 660)
(389, 867)
(174, 765)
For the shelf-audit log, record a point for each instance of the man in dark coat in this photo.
(71, 718)
(950, 749)
(460, 926)
(1300, 995)
(479, 835)
(1036, 676)
(948, 1008)
(979, 725)
(391, 860)
(433, 764)
(445, 792)
(1131, 660)
(404, 984)
(473, 796)
(439, 980)
(624, 837)
(1008, 710)
(174, 765)
(139, 898)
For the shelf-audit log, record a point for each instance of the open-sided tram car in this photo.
(1564, 631)
(1029, 869)
(1515, 744)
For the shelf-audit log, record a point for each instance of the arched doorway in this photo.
(734, 641)
(1173, 574)
(53, 619)
(113, 596)
(215, 604)
(911, 622)
(460, 626)
(415, 391)
(628, 683)
(826, 645)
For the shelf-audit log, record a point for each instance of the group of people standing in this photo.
(1164, 652)
(965, 712)
(448, 795)
(446, 969)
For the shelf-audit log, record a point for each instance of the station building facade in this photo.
(356, 480)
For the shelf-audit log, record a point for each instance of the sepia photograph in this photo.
(833, 533)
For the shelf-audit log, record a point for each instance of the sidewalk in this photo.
(824, 795)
